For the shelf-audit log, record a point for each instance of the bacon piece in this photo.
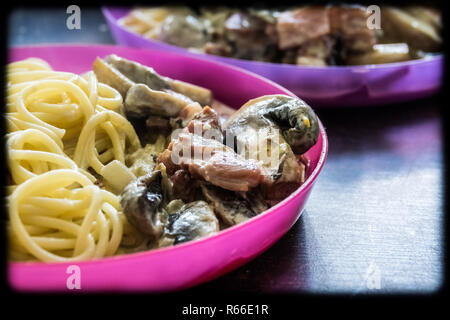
(200, 151)
(214, 162)
(183, 185)
(297, 27)
(206, 123)
(356, 36)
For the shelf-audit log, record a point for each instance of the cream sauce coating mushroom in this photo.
(142, 203)
(233, 207)
(269, 122)
(192, 221)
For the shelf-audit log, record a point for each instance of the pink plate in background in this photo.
(194, 262)
(334, 86)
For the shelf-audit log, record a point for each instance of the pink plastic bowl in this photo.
(319, 86)
(195, 262)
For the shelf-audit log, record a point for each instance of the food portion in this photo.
(122, 159)
(302, 35)
(67, 142)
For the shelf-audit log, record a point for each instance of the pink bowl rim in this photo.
(106, 12)
(149, 253)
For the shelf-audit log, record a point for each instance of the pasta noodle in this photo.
(146, 21)
(63, 130)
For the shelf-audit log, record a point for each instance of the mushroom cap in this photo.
(297, 121)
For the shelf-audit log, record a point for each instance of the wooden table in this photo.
(374, 221)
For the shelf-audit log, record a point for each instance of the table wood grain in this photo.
(376, 211)
(374, 221)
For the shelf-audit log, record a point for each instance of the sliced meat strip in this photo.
(356, 35)
(214, 162)
(199, 150)
(207, 124)
(296, 27)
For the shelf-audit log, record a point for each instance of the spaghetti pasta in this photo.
(63, 129)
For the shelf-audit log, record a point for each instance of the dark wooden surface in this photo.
(376, 211)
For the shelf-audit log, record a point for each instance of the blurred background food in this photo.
(302, 35)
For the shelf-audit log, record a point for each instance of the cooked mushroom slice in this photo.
(146, 92)
(107, 74)
(381, 53)
(142, 202)
(400, 26)
(139, 73)
(184, 30)
(256, 126)
(292, 116)
(143, 101)
(231, 207)
(429, 15)
(248, 35)
(196, 93)
(192, 221)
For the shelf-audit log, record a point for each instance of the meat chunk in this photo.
(206, 123)
(212, 161)
(299, 26)
(199, 150)
(188, 113)
(184, 186)
(355, 34)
